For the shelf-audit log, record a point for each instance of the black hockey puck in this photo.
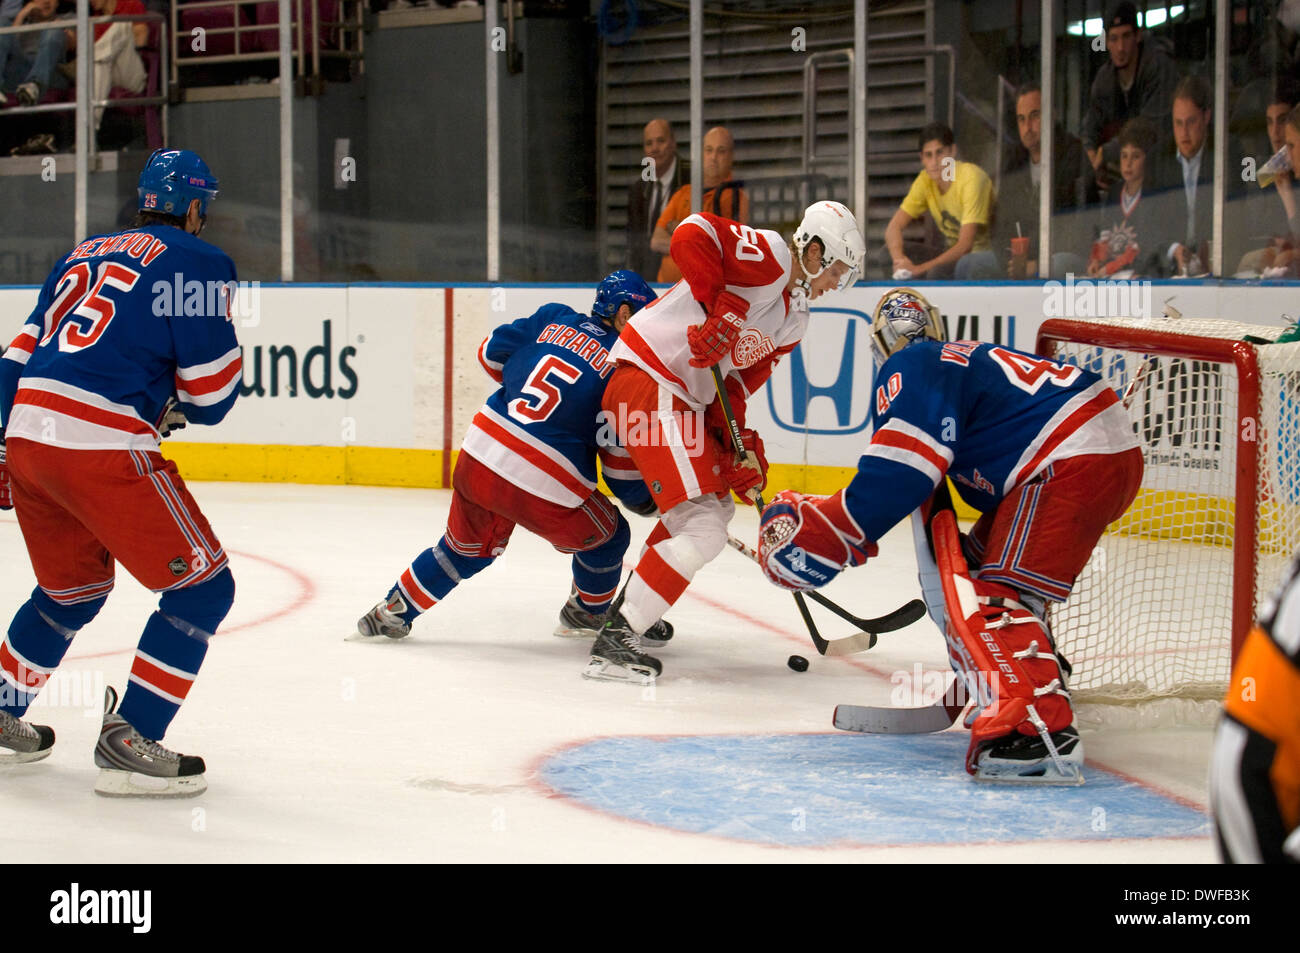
(798, 663)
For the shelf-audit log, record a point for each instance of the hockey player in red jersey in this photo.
(741, 305)
(529, 459)
(94, 379)
(1044, 451)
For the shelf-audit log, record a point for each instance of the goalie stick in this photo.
(938, 716)
(897, 721)
(900, 618)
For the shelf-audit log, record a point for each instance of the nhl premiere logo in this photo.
(178, 566)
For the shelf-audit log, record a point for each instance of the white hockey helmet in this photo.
(902, 316)
(835, 227)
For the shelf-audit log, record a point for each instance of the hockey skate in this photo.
(384, 619)
(21, 742)
(1026, 759)
(616, 654)
(131, 765)
(577, 623)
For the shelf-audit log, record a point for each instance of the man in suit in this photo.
(1186, 177)
(646, 199)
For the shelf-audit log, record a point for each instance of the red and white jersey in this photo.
(715, 255)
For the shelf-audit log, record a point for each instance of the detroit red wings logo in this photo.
(751, 347)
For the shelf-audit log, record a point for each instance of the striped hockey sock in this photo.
(36, 642)
(433, 574)
(166, 662)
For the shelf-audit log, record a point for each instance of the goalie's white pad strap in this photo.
(927, 573)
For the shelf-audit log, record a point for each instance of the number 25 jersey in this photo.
(123, 324)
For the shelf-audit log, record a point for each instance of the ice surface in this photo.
(440, 747)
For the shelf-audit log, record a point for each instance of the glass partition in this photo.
(391, 150)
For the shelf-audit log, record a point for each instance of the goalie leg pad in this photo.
(1007, 657)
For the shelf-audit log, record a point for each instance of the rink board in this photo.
(376, 384)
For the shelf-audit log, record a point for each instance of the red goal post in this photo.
(1174, 586)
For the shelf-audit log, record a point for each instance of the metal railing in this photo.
(161, 100)
(304, 50)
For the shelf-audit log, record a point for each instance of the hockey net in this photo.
(1172, 588)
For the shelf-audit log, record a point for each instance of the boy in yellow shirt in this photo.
(959, 197)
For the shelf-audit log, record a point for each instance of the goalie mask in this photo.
(902, 316)
(834, 226)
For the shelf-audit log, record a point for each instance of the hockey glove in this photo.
(804, 541)
(711, 341)
(6, 492)
(747, 475)
(173, 419)
(716, 419)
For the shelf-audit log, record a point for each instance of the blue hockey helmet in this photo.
(171, 179)
(621, 287)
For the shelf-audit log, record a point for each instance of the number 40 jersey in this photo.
(990, 417)
(124, 324)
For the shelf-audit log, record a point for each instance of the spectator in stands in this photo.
(29, 61)
(1185, 174)
(1133, 225)
(724, 196)
(1018, 197)
(1138, 79)
(117, 62)
(959, 197)
(646, 200)
(1271, 217)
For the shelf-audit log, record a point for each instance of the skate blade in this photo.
(605, 670)
(1049, 774)
(8, 756)
(650, 642)
(356, 635)
(113, 782)
(563, 631)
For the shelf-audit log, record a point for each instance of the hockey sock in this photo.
(171, 650)
(434, 574)
(596, 572)
(698, 531)
(35, 644)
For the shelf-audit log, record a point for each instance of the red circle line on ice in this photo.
(305, 594)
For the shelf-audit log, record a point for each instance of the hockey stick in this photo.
(897, 721)
(900, 618)
(739, 446)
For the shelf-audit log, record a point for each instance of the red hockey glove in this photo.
(804, 541)
(748, 474)
(716, 420)
(711, 340)
(6, 493)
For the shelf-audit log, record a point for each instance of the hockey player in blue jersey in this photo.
(1043, 450)
(529, 459)
(97, 375)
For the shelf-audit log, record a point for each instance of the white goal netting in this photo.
(1152, 614)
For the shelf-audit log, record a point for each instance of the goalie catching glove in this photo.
(711, 341)
(804, 541)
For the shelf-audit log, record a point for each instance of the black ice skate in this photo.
(385, 619)
(131, 765)
(1021, 759)
(21, 742)
(577, 623)
(616, 655)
